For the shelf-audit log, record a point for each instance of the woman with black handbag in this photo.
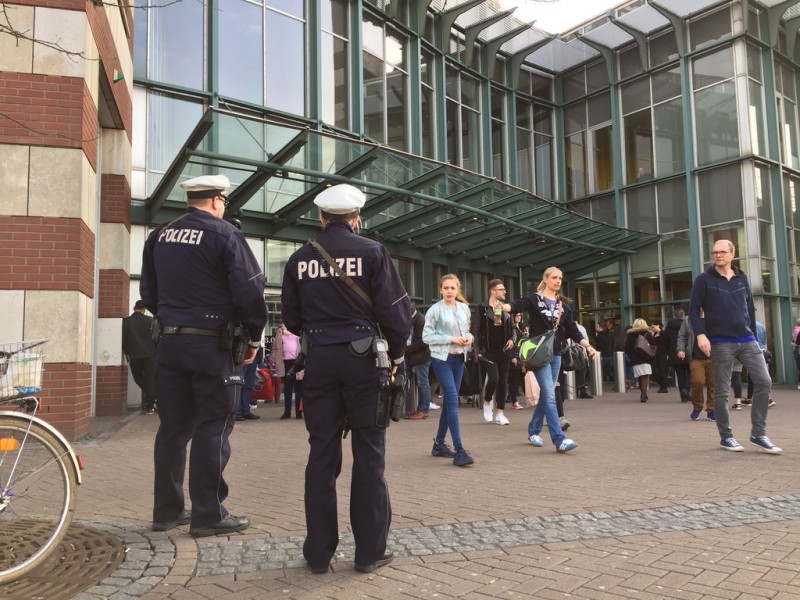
(640, 347)
(547, 310)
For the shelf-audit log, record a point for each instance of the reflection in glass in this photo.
(242, 30)
(373, 97)
(668, 124)
(286, 72)
(756, 118)
(676, 252)
(673, 209)
(640, 209)
(638, 146)
(177, 41)
(716, 123)
(170, 122)
(708, 29)
(334, 81)
(719, 193)
(712, 68)
(278, 254)
(576, 166)
(678, 285)
(602, 159)
(544, 165)
(646, 289)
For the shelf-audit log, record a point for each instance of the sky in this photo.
(557, 16)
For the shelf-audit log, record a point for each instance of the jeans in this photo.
(247, 389)
(684, 379)
(291, 386)
(449, 373)
(421, 376)
(547, 377)
(608, 367)
(751, 357)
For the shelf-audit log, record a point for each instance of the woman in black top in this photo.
(548, 310)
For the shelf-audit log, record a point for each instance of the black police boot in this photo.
(286, 415)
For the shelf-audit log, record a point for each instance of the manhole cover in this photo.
(84, 558)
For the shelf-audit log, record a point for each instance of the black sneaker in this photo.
(747, 402)
(462, 458)
(442, 450)
(771, 403)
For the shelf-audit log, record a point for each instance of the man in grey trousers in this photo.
(728, 332)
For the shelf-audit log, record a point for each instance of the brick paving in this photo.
(647, 507)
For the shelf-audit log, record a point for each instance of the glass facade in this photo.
(694, 137)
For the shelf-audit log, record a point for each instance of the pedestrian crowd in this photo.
(354, 353)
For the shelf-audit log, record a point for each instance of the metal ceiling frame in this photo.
(498, 239)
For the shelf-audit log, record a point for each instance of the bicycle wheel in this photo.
(37, 495)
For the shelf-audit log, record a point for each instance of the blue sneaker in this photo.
(442, 450)
(536, 441)
(695, 415)
(731, 444)
(711, 416)
(566, 446)
(763, 442)
(462, 458)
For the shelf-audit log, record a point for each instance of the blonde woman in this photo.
(642, 368)
(548, 309)
(446, 331)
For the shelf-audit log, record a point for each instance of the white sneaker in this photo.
(488, 413)
(434, 406)
(501, 419)
(536, 441)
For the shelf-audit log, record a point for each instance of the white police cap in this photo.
(205, 186)
(340, 199)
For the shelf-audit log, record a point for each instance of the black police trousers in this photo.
(332, 375)
(198, 389)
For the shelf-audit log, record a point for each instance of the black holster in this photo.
(155, 330)
(235, 340)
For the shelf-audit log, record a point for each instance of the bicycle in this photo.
(39, 471)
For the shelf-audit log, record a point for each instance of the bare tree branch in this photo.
(45, 133)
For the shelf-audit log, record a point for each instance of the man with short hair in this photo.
(140, 350)
(201, 279)
(494, 338)
(342, 381)
(728, 332)
(418, 363)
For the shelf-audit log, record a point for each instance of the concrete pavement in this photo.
(648, 506)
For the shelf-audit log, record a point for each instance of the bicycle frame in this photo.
(65, 445)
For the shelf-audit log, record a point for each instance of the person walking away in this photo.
(547, 309)
(447, 333)
(702, 373)
(287, 347)
(641, 365)
(418, 362)
(583, 375)
(140, 350)
(494, 339)
(340, 313)
(606, 345)
(680, 366)
(726, 333)
(244, 411)
(200, 278)
(660, 361)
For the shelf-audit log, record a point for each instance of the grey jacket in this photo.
(685, 339)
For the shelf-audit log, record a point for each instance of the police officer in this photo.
(199, 275)
(339, 384)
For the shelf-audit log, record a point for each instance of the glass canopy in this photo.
(276, 170)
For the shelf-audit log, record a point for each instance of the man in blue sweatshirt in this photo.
(728, 333)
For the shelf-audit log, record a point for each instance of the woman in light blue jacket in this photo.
(446, 331)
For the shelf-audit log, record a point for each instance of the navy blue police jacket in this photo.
(312, 305)
(200, 272)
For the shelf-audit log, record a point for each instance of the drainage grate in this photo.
(84, 558)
